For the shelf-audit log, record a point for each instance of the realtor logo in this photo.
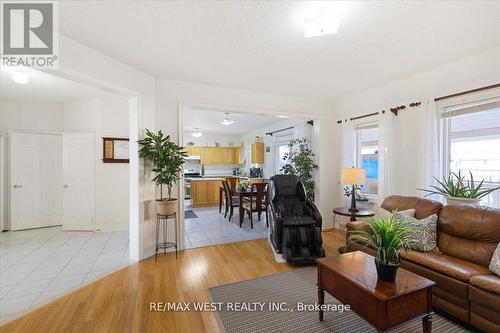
(29, 35)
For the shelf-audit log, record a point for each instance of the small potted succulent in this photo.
(387, 236)
(460, 191)
(166, 159)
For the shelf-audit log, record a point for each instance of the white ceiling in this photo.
(46, 87)
(259, 45)
(208, 121)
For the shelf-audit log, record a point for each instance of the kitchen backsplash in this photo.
(226, 169)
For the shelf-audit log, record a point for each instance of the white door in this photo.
(79, 181)
(35, 180)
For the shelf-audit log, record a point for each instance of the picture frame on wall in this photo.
(115, 150)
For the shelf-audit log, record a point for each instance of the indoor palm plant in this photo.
(166, 159)
(460, 191)
(388, 236)
(300, 161)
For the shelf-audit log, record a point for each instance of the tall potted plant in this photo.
(166, 159)
(388, 237)
(460, 191)
(300, 161)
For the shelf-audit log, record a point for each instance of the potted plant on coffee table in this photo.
(388, 237)
(166, 159)
(460, 191)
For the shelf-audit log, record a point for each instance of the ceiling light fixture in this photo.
(227, 121)
(197, 134)
(20, 77)
(321, 23)
(283, 116)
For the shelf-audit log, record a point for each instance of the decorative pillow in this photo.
(495, 261)
(425, 239)
(382, 213)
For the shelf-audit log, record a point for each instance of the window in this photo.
(281, 150)
(367, 156)
(472, 143)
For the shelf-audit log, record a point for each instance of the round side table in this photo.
(162, 223)
(344, 211)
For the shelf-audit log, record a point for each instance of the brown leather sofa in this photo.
(467, 238)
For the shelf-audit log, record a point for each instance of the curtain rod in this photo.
(280, 130)
(394, 110)
(467, 92)
(310, 122)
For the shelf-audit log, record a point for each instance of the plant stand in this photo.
(162, 227)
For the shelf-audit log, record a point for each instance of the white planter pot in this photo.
(462, 201)
(166, 207)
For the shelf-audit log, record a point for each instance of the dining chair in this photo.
(257, 203)
(231, 199)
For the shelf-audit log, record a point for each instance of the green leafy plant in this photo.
(300, 161)
(166, 158)
(388, 236)
(457, 186)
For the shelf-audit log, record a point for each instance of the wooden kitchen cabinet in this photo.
(220, 155)
(257, 153)
(205, 192)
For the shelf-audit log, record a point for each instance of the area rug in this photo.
(189, 214)
(290, 288)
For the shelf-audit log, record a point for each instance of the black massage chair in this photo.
(295, 222)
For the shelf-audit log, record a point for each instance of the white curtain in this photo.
(348, 153)
(386, 155)
(429, 154)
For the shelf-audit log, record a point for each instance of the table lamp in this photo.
(353, 176)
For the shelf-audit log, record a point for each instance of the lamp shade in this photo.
(353, 176)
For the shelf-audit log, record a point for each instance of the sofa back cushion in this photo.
(423, 207)
(471, 233)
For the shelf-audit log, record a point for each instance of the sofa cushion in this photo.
(453, 267)
(470, 233)
(353, 225)
(486, 282)
(495, 261)
(423, 207)
(382, 213)
(425, 232)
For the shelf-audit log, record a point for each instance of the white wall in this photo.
(107, 118)
(170, 93)
(31, 115)
(480, 70)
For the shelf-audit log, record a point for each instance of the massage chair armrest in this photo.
(310, 209)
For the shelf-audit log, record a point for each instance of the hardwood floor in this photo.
(120, 301)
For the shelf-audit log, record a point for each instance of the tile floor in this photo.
(212, 228)
(40, 264)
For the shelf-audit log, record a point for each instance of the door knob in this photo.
(17, 186)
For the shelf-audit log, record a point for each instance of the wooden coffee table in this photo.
(352, 279)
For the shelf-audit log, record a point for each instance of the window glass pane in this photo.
(368, 158)
(281, 150)
(475, 146)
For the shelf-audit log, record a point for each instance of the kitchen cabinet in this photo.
(257, 153)
(193, 150)
(220, 155)
(205, 192)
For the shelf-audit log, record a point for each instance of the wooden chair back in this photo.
(232, 183)
(227, 192)
(258, 196)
